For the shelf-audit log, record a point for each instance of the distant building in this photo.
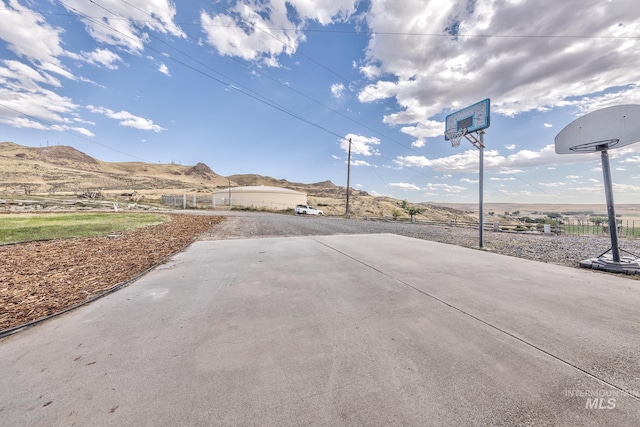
(260, 197)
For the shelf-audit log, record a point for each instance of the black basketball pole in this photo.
(611, 211)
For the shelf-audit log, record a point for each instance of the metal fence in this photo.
(626, 228)
(184, 201)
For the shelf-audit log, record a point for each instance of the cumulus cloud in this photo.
(446, 188)
(125, 118)
(262, 31)
(164, 70)
(404, 186)
(123, 24)
(41, 44)
(26, 103)
(360, 145)
(468, 160)
(102, 57)
(522, 59)
(413, 161)
(337, 90)
(29, 85)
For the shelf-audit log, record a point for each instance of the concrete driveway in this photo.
(336, 330)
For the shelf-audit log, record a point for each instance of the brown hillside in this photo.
(65, 170)
(62, 169)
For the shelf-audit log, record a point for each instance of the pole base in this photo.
(627, 265)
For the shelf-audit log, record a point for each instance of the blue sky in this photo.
(276, 88)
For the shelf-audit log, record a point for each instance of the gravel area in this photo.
(567, 250)
(43, 278)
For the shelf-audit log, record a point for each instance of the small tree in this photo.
(411, 210)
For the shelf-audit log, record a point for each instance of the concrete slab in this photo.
(336, 330)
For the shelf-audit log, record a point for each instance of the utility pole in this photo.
(348, 177)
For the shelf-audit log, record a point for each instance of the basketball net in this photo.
(455, 136)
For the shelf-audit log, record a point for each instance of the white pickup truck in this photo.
(308, 210)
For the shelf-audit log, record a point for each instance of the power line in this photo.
(69, 132)
(366, 32)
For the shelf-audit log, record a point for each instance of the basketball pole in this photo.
(611, 212)
(348, 179)
(481, 191)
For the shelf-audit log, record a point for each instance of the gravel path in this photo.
(556, 249)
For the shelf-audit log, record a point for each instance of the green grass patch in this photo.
(27, 228)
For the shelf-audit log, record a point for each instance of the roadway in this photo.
(372, 329)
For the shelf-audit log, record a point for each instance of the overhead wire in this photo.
(256, 96)
(78, 135)
(236, 85)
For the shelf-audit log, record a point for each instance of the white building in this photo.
(260, 197)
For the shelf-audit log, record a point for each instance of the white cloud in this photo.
(413, 161)
(470, 181)
(444, 187)
(164, 70)
(262, 31)
(359, 163)
(573, 177)
(361, 145)
(634, 159)
(337, 90)
(548, 125)
(26, 103)
(467, 161)
(552, 184)
(125, 118)
(522, 59)
(510, 147)
(123, 24)
(404, 186)
(29, 36)
(102, 57)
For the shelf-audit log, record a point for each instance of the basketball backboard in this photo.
(472, 118)
(611, 127)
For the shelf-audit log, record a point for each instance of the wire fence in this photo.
(589, 226)
(626, 228)
(183, 201)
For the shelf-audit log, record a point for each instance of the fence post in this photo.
(184, 201)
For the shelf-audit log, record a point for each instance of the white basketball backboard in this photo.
(472, 118)
(603, 129)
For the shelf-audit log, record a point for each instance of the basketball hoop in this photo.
(455, 136)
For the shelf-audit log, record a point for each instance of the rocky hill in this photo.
(65, 170)
(62, 170)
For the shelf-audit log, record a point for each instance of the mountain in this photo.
(63, 170)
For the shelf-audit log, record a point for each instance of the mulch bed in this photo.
(38, 279)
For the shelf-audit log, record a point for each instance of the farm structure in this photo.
(259, 197)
